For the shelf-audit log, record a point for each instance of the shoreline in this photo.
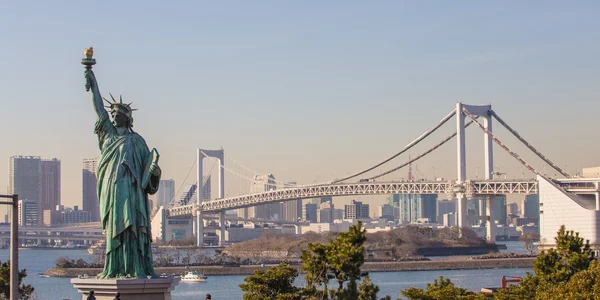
(434, 265)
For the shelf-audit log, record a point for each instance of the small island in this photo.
(400, 249)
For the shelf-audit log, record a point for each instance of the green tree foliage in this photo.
(367, 290)
(440, 289)
(276, 283)
(339, 260)
(567, 272)
(582, 285)
(24, 290)
(554, 267)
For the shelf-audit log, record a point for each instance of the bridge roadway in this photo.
(471, 188)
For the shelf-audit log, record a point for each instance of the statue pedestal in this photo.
(130, 289)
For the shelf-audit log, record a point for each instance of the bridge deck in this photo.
(470, 188)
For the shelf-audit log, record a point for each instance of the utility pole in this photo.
(14, 244)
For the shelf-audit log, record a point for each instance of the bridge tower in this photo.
(220, 156)
(483, 111)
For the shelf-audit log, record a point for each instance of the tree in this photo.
(367, 290)
(442, 289)
(528, 240)
(340, 259)
(25, 291)
(276, 283)
(553, 268)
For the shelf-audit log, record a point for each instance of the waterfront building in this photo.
(89, 188)
(50, 185)
(416, 207)
(309, 212)
(28, 213)
(166, 192)
(25, 179)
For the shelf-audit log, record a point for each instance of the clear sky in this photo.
(306, 90)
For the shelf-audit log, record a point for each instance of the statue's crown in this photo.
(118, 107)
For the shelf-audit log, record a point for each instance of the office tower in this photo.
(385, 211)
(25, 179)
(50, 185)
(206, 189)
(166, 192)
(365, 212)
(338, 214)
(89, 188)
(512, 209)
(291, 210)
(445, 207)
(499, 209)
(350, 211)
(264, 211)
(414, 207)
(532, 206)
(28, 213)
(309, 212)
(325, 212)
(356, 210)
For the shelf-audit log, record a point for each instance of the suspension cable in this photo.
(172, 202)
(406, 148)
(419, 156)
(251, 180)
(538, 153)
(283, 182)
(512, 153)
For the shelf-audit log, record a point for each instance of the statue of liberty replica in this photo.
(127, 173)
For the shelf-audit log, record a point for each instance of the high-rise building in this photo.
(90, 188)
(532, 206)
(206, 189)
(264, 211)
(512, 209)
(445, 207)
(50, 184)
(499, 208)
(356, 210)
(414, 207)
(28, 213)
(338, 214)
(365, 213)
(325, 212)
(291, 210)
(309, 212)
(25, 179)
(385, 211)
(166, 193)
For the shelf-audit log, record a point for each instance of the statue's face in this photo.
(121, 120)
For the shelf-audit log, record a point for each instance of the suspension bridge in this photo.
(584, 192)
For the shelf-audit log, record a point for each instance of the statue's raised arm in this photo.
(91, 84)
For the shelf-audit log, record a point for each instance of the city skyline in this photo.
(338, 100)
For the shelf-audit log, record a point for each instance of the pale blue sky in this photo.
(306, 90)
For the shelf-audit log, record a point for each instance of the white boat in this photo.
(97, 248)
(193, 277)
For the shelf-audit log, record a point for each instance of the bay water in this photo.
(227, 287)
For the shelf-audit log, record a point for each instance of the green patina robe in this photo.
(124, 183)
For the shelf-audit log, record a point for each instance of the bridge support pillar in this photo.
(482, 209)
(199, 229)
(490, 225)
(597, 196)
(222, 223)
(461, 201)
(461, 165)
